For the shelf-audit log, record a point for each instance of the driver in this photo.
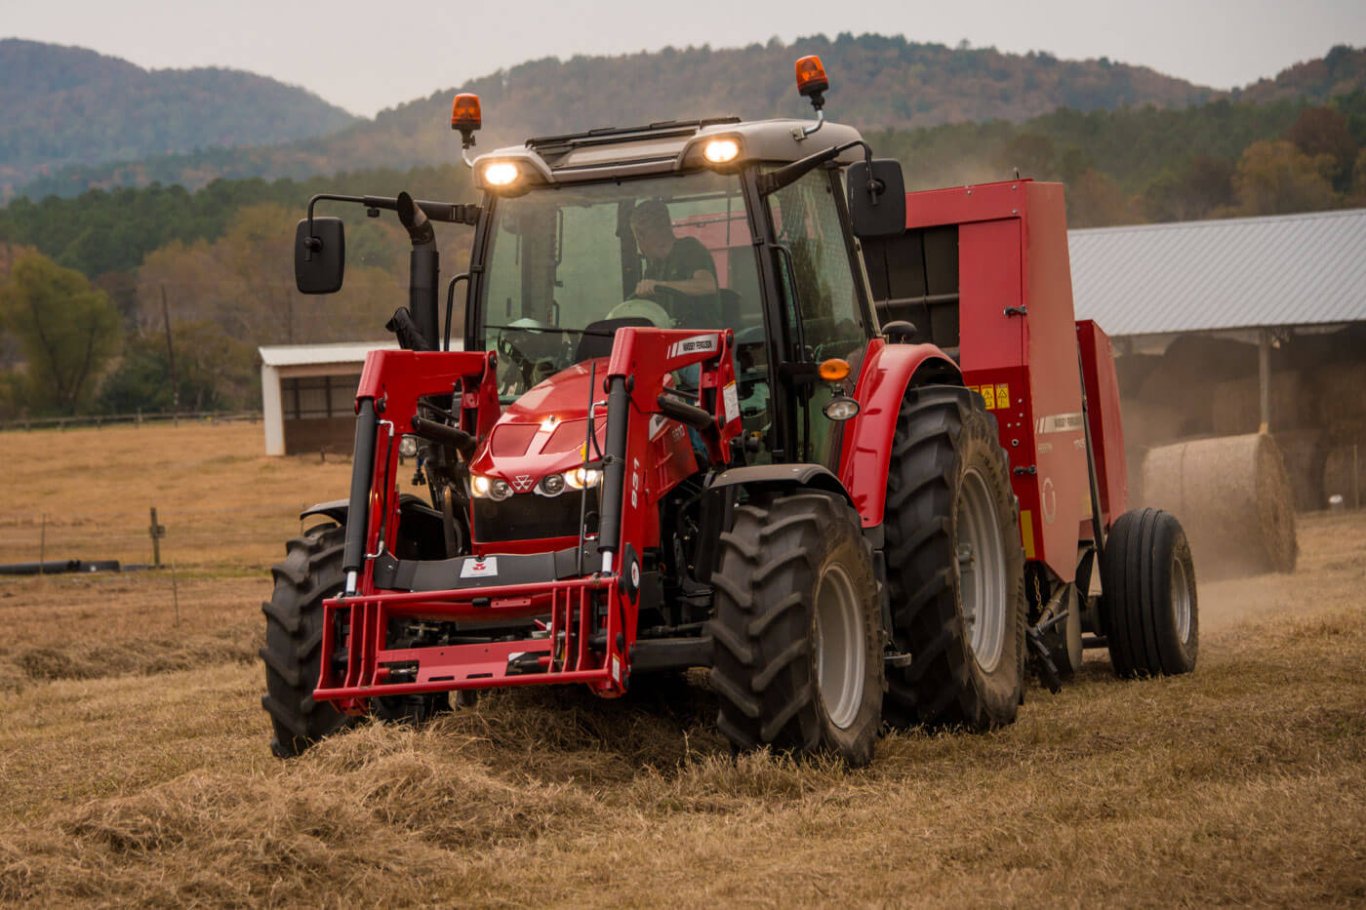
(680, 267)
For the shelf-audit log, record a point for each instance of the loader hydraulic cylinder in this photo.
(362, 472)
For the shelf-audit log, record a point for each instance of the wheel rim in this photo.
(981, 570)
(839, 647)
(1181, 601)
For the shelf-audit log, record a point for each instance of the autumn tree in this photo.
(1201, 188)
(1324, 131)
(67, 331)
(1276, 178)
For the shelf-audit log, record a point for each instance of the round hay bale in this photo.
(1344, 473)
(1304, 454)
(1232, 496)
(1238, 404)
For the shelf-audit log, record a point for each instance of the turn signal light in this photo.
(465, 115)
(811, 76)
(835, 370)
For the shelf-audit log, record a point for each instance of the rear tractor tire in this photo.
(1149, 609)
(798, 659)
(311, 573)
(955, 566)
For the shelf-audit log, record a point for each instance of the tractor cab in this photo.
(564, 259)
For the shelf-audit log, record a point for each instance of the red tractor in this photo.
(728, 398)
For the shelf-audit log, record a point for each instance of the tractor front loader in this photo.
(692, 425)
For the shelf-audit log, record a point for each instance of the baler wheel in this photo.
(798, 660)
(955, 566)
(311, 573)
(1149, 609)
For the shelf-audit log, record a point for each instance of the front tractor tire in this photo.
(1149, 611)
(311, 573)
(955, 566)
(798, 642)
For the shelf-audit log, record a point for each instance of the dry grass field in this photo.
(134, 767)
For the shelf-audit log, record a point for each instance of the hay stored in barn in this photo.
(1342, 392)
(1238, 404)
(1234, 499)
(1344, 474)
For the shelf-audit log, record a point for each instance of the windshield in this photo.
(569, 265)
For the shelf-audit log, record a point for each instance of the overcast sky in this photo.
(365, 55)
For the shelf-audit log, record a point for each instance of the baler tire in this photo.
(311, 573)
(944, 436)
(795, 579)
(1149, 609)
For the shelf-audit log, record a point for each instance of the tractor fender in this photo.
(782, 475)
(888, 371)
(337, 509)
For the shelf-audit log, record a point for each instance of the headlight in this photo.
(841, 408)
(407, 446)
(494, 488)
(721, 151)
(551, 485)
(582, 478)
(501, 173)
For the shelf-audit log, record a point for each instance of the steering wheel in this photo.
(642, 308)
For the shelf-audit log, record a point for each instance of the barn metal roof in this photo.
(291, 355)
(1238, 273)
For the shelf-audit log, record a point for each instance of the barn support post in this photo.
(1264, 379)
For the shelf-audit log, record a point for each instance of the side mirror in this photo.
(877, 198)
(319, 257)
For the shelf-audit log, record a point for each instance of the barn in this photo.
(308, 395)
(1230, 326)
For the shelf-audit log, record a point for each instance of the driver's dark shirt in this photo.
(686, 258)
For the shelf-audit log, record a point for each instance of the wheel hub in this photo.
(981, 570)
(839, 642)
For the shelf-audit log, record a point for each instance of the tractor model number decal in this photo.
(635, 483)
(479, 568)
(693, 345)
(1058, 423)
(995, 396)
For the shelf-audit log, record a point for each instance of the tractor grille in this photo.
(527, 516)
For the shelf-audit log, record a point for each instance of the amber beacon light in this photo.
(465, 116)
(811, 80)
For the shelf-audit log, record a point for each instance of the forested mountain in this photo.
(878, 82)
(69, 106)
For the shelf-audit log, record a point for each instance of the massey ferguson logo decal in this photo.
(479, 568)
(693, 345)
(521, 483)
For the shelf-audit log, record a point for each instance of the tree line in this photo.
(157, 298)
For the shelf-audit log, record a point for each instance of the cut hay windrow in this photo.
(1234, 500)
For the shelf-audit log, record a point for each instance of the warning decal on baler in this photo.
(995, 396)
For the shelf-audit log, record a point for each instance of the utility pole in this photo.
(170, 354)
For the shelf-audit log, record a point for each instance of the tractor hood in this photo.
(544, 431)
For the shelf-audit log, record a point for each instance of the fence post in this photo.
(157, 531)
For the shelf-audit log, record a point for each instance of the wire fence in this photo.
(147, 536)
(136, 419)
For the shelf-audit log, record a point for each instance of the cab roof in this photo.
(662, 148)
